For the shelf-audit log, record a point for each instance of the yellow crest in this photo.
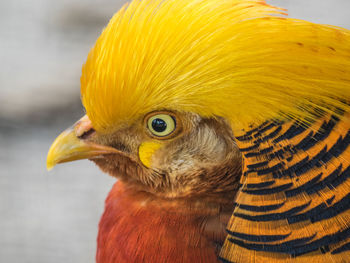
(239, 59)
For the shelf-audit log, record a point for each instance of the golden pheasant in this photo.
(227, 125)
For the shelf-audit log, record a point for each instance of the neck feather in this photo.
(136, 227)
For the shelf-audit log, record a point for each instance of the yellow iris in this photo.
(161, 125)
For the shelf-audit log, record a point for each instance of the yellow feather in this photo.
(239, 59)
(146, 151)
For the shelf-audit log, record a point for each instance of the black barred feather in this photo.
(294, 200)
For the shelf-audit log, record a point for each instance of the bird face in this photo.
(167, 153)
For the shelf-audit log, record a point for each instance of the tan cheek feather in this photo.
(146, 151)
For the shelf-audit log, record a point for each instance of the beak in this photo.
(70, 145)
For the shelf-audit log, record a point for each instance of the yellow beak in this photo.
(69, 146)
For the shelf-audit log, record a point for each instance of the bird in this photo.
(227, 127)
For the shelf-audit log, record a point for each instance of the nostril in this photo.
(86, 134)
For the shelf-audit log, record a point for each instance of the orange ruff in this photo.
(132, 230)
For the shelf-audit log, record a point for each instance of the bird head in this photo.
(166, 153)
(169, 84)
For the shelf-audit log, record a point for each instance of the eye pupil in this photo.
(159, 125)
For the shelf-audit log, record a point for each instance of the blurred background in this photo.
(53, 216)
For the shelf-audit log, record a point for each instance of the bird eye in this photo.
(161, 125)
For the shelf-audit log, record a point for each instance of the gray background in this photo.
(53, 217)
